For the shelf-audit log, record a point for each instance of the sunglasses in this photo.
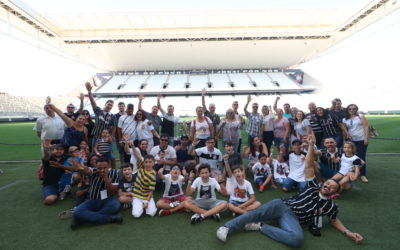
(70, 107)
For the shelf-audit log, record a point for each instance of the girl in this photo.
(84, 151)
(301, 124)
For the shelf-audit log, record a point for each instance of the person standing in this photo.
(210, 113)
(255, 120)
(169, 121)
(153, 117)
(71, 108)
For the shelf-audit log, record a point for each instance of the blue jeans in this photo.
(66, 179)
(97, 211)
(326, 171)
(289, 182)
(289, 231)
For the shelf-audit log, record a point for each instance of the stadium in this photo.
(302, 51)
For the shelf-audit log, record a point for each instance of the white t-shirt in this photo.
(50, 127)
(206, 190)
(280, 169)
(134, 160)
(144, 130)
(347, 163)
(202, 129)
(128, 125)
(173, 188)
(260, 170)
(240, 193)
(297, 165)
(172, 118)
(355, 128)
(170, 152)
(301, 127)
(268, 122)
(212, 158)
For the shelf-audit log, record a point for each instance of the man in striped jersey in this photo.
(304, 208)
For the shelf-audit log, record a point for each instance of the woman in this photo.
(251, 153)
(75, 131)
(281, 129)
(331, 127)
(201, 128)
(301, 124)
(268, 126)
(144, 129)
(229, 128)
(358, 129)
(89, 124)
(135, 152)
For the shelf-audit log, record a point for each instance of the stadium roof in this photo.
(130, 35)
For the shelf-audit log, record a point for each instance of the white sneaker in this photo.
(222, 233)
(252, 226)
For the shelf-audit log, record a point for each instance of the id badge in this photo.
(103, 194)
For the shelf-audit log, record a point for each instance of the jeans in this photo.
(97, 211)
(362, 152)
(289, 231)
(268, 138)
(289, 182)
(326, 171)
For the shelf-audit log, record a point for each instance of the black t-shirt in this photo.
(167, 127)
(73, 116)
(125, 185)
(339, 115)
(235, 160)
(52, 175)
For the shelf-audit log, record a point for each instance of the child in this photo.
(350, 165)
(84, 152)
(262, 172)
(281, 169)
(103, 145)
(173, 196)
(239, 201)
(144, 188)
(206, 203)
(161, 156)
(70, 176)
(125, 186)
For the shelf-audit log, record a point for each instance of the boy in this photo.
(262, 172)
(239, 201)
(144, 188)
(173, 196)
(281, 169)
(126, 184)
(206, 203)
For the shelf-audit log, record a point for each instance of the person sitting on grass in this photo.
(239, 201)
(173, 196)
(206, 203)
(281, 169)
(303, 208)
(70, 176)
(144, 188)
(209, 155)
(350, 165)
(126, 185)
(84, 151)
(296, 160)
(262, 173)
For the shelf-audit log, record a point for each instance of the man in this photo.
(118, 137)
(329, 158)
(104, 119)
(71, 108)
(127, 125)
(306, 207)
(337, 110)
(102, 207)
(49, 128)
(210, 113)
(153, 117)
(170, 154)
(238, 117)
(315, 126)
(286, 108)
(208, 154)
(255, 122)
(169, 121)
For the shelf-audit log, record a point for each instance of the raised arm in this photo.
(203, 99)
(141, 97)
(68, 121)
(81, 98)
(247, 104)
(159, 103)
(90, 95)
(275, 107)
(309, 168)
(189, 189)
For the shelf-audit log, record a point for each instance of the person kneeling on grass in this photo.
(144, 188)
(173, 196)
(206, 203)
(262, 173)
(125, 186)
(306, 207)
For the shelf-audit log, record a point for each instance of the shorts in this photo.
(280, 181)
(237, 203)
(208, 204)
(51, 189)
(260, 180)
(179, 198)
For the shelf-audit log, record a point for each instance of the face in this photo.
(294, 111)
(184, 141)
(235, 105)
(83, 145)
(230, 114)
(59, 151)
(286, 107)
(139, 116)
(127, 172)
(352, 109)
(320, 112)
(48, 111)
(304, 139)
(154, 110)
(93, 161)
(256, 140)
(238, 173)
(265, 110)
(101, 167)
(199, 111)
(229, 149)
(75, 153)
(210, 144)
(338, 105)
(212, 108)
(300, 116)
(86, 114)
(296, 147)
(175, 171)
(170, 109)
(148, 163)
(70, 109)
(143, 145)
(204, 174)
(279, 112)
(263, 160)
(80, 120)
(348, 149)
(121, 108)
(255, 107)
(105, 133)
(311, 106)
(330, 143)
(164, 141)
(129, 110)
(109, 106)
(329, 187)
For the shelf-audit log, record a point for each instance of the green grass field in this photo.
(370, 209)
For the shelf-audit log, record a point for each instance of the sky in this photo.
(362, 69)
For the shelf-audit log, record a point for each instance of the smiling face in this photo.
(300, 115)
(265, 110)
(175, 172)
(229, 149)
(329, 187)
(127, 172)
(83, 145)
(143, 145)
(320, 112)
(212, 108)
(199, 111)
(257, 141)
(279, 113)
(80, 120)
(348, 149)
(121, 107)
(204, 174)
(109, 105)
(330, 144)
(101, 167)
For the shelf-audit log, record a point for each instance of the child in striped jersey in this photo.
(103, 145)
(144, 188)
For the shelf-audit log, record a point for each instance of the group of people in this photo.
(321, 153)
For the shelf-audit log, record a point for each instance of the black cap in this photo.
(295, 141)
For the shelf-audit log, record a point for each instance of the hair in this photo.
(329, 137)
(353, 146)
(109, 100)
(199, 107)
(253, 147)
(102, 159)
(237, 167)
(229, 143)
(261, 155)
(143, 115)
(161, 151)
(142, 152)
(148, 157)
(204, 166)
(255, 104)
(324, 113)
(286, 104)
(130, 105)
(170, 106)
(304, 116)
(210, 138)
(127, 165)
(178, 165)
(90, 158)
(121, 103)
(163, 136)
(347, 116)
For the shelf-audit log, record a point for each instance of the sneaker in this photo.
(261, 188)
(75, 223)
(116, 219)
(196, 218)
(216, 217)
(62, 196)
(252, 226)
(222, 233)
(67, 188)
(66, 214)
(164, 212)
(174, 204)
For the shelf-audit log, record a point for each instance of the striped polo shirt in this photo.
(145, 182)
